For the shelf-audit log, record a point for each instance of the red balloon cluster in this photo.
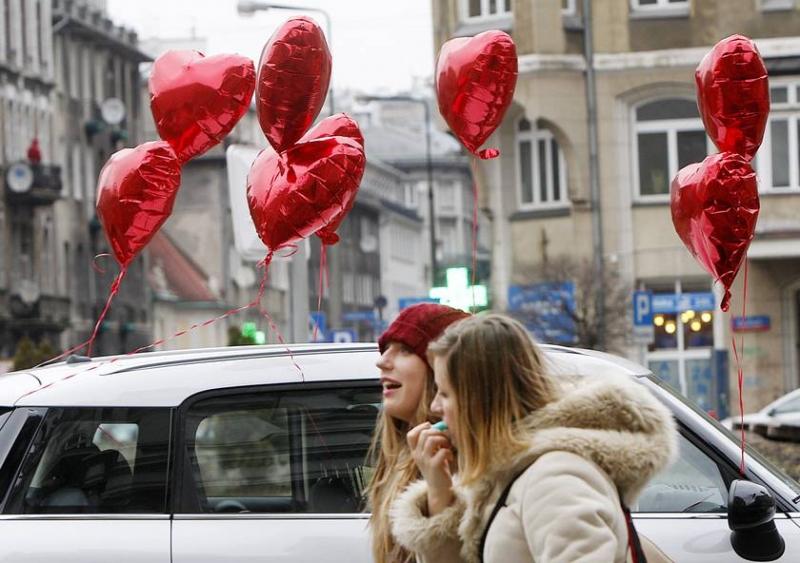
(306, 183)
(475, 82)
(715, 203)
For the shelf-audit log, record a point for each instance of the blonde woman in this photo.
(543, 472)
(408, 390)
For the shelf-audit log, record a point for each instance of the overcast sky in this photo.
(378, 45)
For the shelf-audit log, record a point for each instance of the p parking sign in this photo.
(643, 331)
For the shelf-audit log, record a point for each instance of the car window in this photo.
(95, 461)
(693, 483)
(281, 451)
(790, 406)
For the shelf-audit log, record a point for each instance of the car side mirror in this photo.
(751, 513)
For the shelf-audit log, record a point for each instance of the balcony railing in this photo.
(44, 189)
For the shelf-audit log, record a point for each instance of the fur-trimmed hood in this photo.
(613, 422)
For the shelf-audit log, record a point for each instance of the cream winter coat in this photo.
(606, 436)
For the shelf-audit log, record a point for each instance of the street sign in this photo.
(546, 309)
(678, 303)
(357, 316)
(317, 322)
(406, 302)
(643, 330)
(343, 335)
(755, 323)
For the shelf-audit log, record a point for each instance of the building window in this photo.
(777, 159)
(446, 197)
(542, 177)
(485, 9)
(683, 326)
(774, 5)
(568, 7)
(659, 5)
(402, 245)
(669, 135)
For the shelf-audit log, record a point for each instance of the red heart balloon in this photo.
(341, 125)
(135, 194)
(196, 100)
(733, 95)
(294, 195)
(475, 81)
(714, 209)
(293, 77)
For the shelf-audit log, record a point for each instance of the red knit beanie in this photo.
(418, 325)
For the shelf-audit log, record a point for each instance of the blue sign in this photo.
(405, 302)
(318, 319)
(643, 308)
(546, 309)
(356, 316)
(343, 335)
(756, 323)
(679, 302)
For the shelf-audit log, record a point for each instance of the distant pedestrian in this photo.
(544, 473)
(408, 390)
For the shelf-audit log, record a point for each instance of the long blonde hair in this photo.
(498, 377)
(394, 471)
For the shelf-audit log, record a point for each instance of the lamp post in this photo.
(249, 7)
(428, 166)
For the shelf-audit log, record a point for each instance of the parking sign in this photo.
(643, 331)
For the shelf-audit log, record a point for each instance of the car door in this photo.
(684, 509)
(85, 485)
(275, 473)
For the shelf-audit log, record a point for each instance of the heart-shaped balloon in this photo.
(733, 95)
(714, 209)
(135, 194)
(293, 77)
(341, 125)
(475, 81)
(293, 195)
(196, 100)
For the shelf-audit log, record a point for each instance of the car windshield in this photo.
(775, 470)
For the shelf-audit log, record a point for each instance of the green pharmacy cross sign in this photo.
(250, 330)
(459, 293)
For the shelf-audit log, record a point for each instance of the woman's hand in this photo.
(433, 454)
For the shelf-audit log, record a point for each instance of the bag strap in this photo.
(634, 545)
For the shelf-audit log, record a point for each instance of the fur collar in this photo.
(612, 421)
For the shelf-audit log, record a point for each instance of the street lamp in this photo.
(428, 165)
(249, 7)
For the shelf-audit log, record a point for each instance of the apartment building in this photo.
(648, 127)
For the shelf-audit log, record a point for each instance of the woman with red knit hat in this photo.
(408, 390)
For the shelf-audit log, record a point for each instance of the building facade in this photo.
(68, 100)
(648, 127)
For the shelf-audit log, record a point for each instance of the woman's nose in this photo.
(436, 407)
(383, 362)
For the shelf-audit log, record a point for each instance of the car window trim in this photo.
(184, 483)
(28, 420)
(79, 516)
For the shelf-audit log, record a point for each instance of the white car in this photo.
(248, 454)
(778, 420)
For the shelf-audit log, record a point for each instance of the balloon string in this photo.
(95, 265)
(111, 295)
(474, 167)
(740, 373)
(262, 287)
(272, 325)
(323, 266)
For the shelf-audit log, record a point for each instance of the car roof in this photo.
(166, 379)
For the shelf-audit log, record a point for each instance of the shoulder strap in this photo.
(501, 501)
(635, 546)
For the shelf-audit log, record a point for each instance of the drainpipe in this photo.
(594, 174)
